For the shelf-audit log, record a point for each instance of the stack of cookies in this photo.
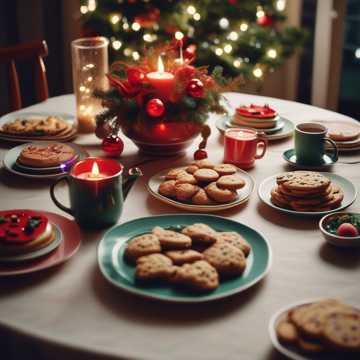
(193, 257)
(47, 158)
(202, 183)
(38, 128)
(24, 232)
(326, 326)
(262, 118)
(306, 191)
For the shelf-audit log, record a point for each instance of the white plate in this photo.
(243, 194)
(289, 351)
(12, 155)
(346, 186)
(70, 119)
(37, 253)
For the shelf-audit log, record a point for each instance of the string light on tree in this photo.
(191, 10)
(84, 9)
(244, 26)
(258, 73)
(219, 51)
(233, 36)
(115, 19)
(116, 44)
(197, 16)
(91, 5)
(280, 5)
(179, 35)
(272, 53)
(237, 63)
(260, 12)
(228, 48)
(136, 26)
(224, 23)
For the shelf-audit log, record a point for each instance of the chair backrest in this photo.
(31, 51)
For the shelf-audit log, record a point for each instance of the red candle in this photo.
(240, 147)
(161, 80)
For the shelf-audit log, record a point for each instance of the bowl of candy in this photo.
(341, 229)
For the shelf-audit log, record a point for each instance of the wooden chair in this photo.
(31, 51)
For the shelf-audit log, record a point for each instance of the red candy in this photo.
(14, 226)
(348, 230)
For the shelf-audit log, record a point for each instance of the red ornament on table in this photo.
(195, 88)
(200, 154)
(155, 108)
(113, 145)
(135, 76)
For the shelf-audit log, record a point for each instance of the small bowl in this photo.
(341, 241)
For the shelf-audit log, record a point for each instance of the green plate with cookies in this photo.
(208, 276)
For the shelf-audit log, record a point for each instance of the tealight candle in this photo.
(161, 80)
(240, 147)
(94, 174)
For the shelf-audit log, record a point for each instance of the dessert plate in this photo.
(121, 274)
(38, 253)
(290, 157)
(346, 186)
(268, 131)
(71, 240)
(11, 165)
(222, 124)
(243, 194)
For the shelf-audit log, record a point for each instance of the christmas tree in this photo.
(245, 37)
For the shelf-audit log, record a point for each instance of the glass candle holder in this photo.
(90, 65)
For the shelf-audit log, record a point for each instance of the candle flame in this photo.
(95, 170)
(161, 67)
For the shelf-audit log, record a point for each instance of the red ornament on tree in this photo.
(200, 154)
(155, 108)
(113, 145)
(195, 88)
(135, 76)
(266, 20)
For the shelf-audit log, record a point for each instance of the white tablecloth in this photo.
(73, 308)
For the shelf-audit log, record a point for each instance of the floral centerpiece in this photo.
(161, 102)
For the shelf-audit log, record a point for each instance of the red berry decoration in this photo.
(195, 88)
(155, 108)
(200, 154)
(135, 76)
(113, 145)
(347, 229)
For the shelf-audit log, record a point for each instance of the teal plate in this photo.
(117, 271)
(290, 157)
(348, 188)
(222, 124)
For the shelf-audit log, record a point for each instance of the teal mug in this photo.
(310, 140)
(97, 191)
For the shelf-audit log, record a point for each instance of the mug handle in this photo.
(53, 197)
(129, 181)
(263, 141)
(335, 154)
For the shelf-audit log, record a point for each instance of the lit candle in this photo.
(94, 174)
(161, 80)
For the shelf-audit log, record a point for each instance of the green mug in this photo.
(96, 198)
(310, 139)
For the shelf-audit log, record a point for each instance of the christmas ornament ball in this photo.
(135, 76)
(113, 145)
(200, 154)
(155, 107)
(195, 88)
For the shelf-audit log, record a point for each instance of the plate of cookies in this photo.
(184, 258)
(32, 240)
(25, 127)
(43, 160)
(307, 192)
(317, 329)
(202, 186)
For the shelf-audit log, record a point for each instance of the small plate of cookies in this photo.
(317, 329)
(43, 160)
(23, 127)
(184, 258)
(202, 186)
(307, 192)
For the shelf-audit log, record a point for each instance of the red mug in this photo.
(241, 147)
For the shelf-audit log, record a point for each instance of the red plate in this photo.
(68, 247)
(256, 111)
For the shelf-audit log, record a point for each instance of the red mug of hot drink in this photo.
(241, 147)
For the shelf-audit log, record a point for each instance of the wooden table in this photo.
(72, 310)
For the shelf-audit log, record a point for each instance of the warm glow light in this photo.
(126, 26)
(147, 37)
(257, 72)
(116, 44)
(260, 12)
(84, 9)
(127, 52)
(280, 5)
(90, 79)
(197, 16)
(357, 53)
(136, 26)
(136, 55)
(244, 26)
(224, 23)
(92, 5)
(191, 10)
(219, 51)
(272, 53)
(115, 19)
(179, 35)
(95, 170)
(82, 88)
(237, 63)
(160, 67)
(233, 36)
(228, 48)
